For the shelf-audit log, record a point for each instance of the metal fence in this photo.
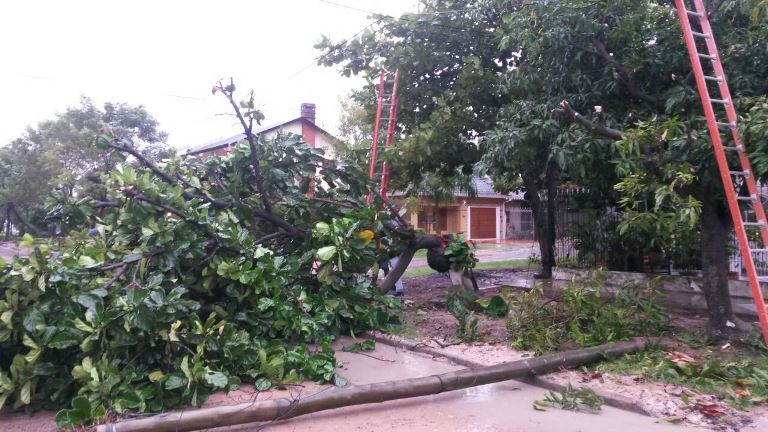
(519, 218)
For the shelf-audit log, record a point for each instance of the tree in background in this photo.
(625, 63)
(448, 63)
(60, 155)
(526, 71)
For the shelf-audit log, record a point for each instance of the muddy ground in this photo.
(427, 322)
(424, 305)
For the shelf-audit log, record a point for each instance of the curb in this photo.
(611, 400)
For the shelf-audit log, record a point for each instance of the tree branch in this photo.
(419, 242)
(114, 278)
(228, 92)
(132, 193)
(219, 204)
(627, 71)
(594, 128)
(272, 236)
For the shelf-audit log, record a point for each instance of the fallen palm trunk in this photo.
(279, 409)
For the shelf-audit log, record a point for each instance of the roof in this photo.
(231, 140)
(483, 189)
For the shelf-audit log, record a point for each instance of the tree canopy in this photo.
(60, 154)
(599, 93)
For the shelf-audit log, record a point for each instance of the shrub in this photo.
(582, 317)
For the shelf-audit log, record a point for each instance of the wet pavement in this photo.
(513, 250)
(503, 406)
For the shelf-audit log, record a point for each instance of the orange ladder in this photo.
(379, 172)
(703, 51)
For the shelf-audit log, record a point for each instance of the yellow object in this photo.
(366, 235)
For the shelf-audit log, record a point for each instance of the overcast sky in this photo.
(166, 55)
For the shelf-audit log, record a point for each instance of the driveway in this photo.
(489, 252)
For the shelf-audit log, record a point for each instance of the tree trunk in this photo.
(715, 230)
(396, 272)
(280, 409)
(7, 222)
(544, 220)
(551, 183)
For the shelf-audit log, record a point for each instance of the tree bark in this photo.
(284, 408)
(551, 184)
(715, 230)
(396, 272)
(7, 222)
(544, 219)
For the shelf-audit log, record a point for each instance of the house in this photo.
(481, 217)
(303, 125)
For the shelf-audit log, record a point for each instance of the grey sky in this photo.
(166, 55)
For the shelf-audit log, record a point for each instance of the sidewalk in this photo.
(489, 252)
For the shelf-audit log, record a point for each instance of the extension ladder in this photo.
(701, 47)
(378, 172)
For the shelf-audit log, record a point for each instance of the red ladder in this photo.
(379, 172)
(704, 39)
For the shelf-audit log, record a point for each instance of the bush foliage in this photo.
(582, 317)
(188, 277)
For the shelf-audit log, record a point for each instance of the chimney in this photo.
(308, 112)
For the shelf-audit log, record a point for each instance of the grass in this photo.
(490, 265)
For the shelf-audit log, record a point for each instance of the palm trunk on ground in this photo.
(281, 409)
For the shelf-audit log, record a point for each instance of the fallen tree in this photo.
(281, 409)
(193, 275)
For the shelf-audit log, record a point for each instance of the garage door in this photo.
(482, 223)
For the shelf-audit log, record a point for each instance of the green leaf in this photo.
(262, 384)
(25, 395)
(81, 404)
(216, 379)
(325, 253)
(497, 307)
(69, 418)
(174, 382)
(156, 376)
(62, 339)
(86, 261)
(322, 228)
(82, 326)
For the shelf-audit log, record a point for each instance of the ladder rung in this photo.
(758, 250)
(694, 13)
(745, 173)
(736, 149)
(750, 198)
(725, 102)
(703, 35)
(757, 224)
(727, 125)
(708, 56)
(713, 78)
